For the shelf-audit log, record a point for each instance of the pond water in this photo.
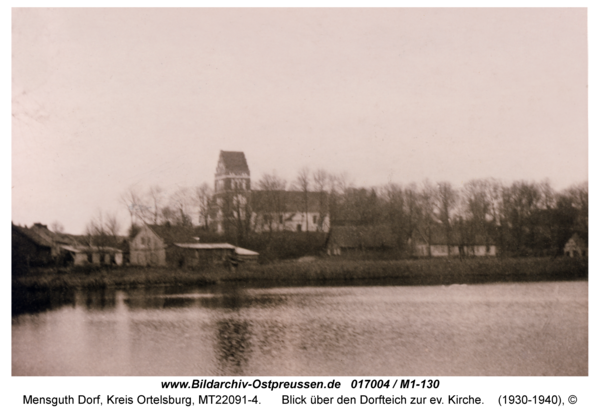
(494, 329)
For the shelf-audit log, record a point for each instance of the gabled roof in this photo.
(577, 241)
(174, 234)
(206, 246)
(42, 236)
(38, 234)
(245, 252)
(86, 249)
(288, 200)
(67, 239)
(438, 236)
(361, 236)
(234, 162)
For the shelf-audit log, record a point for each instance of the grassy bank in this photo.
(423, 271)
(122, 277)
(409, 272)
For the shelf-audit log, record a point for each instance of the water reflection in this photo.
(233, 346)
(98, 300)
(229, 330)
(26, 302)
(143, 298)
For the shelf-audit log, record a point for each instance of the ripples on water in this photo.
(496, 329)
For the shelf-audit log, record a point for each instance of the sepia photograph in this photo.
(299, 192)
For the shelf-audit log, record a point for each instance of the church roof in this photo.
(234, 162)
(288, 201)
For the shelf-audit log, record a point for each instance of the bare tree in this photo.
(320, 180)
(446, 201)
(112, 226)
(412, 212)
(578, 194)
(523, 204)
(339, 186)
(133, 201)
(167, 215)
(343, 182)
(427, 199)
(273, 205)
(302, 184)
(103, 230)
(477, 208)
(155, 194)
(393, 211)
(202, 198)
(57, 227)
(181, 200)
(238, 212)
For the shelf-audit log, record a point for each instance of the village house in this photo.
(350, 238)
(263, 210)
(576, 246)
(436, 244)
(201, 254)
(150, 244)
(33, 246)
(166, 245)
(91, 255)
(39, 246)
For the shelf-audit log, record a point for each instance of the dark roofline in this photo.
(32, 235)
(172, 234)
(234, 161)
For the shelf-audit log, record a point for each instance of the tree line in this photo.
(522, 218)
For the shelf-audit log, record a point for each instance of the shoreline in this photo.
(431, 271)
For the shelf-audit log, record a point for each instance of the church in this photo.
(237, 206)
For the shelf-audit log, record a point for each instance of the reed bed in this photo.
(442, 271)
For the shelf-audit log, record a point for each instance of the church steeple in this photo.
(232, 172)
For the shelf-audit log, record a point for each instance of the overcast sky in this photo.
(106, 99)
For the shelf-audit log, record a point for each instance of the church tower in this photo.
(232, 172)
(232, 190)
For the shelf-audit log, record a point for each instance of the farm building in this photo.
(96, 255)
(246, 255)
(149, 246)
(200, 254)
(166, 245)
(576, 246)
(32, 247)
(39, 246)
(437, 244)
